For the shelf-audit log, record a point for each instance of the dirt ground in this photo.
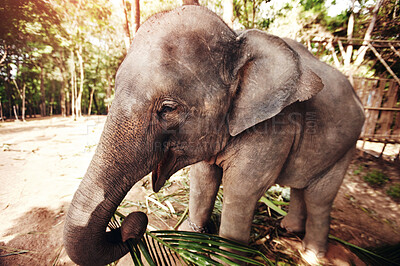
(42, 162)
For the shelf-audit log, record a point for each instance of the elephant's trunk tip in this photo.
(134, 226)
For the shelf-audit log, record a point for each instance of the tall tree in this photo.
(129, 35)
(136, 15)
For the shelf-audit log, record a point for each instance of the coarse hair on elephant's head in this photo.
(187, 85)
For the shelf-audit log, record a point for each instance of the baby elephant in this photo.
(247, 110)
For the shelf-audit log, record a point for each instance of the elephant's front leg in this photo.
(237, 215)
(242, 190)
(205, 180)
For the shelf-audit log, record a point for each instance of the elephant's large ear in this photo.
(271, 77)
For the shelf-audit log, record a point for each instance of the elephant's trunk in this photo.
(121, 159)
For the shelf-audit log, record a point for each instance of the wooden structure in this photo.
(380, 98)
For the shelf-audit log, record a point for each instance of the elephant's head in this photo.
(187, 85)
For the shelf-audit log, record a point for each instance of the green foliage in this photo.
(190, 248)
(359, 170)
(375, 178)
(45, 37)
(39, 38)
(388, 255)
(248, 12)
(315, 5)
(394, 191)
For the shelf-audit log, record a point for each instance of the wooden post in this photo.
(362, 147)
(397, 159)
(383, 149)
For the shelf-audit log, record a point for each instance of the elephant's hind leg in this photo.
(295, 220)
(205, 180)
(319, 197)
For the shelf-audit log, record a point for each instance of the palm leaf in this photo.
(195, 248)
(388, 255)
(166, 247)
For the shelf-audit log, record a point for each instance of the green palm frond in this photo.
(388, 255)
(169, 247)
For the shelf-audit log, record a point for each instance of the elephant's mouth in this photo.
(165, 168)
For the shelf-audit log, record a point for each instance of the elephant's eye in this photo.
(167, 107)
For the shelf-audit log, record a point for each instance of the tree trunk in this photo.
(22, 96)
(75, 96)
(42, 93)
(73, 88)
(109, 91)
(91, 100)
(53, 89)
(128, 39)
(1, 112)
(367, 37)
(190, 2)
(68, 103)
(228, 12)
(82, 80)
(3, 58)
(15, 113)
(23, 102)
(136, 15)
(96, 105)
(9, 93)
(254, 15)
(62, 100)
(350, 29)
(246, 14)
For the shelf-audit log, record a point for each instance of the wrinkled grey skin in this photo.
(250, 110)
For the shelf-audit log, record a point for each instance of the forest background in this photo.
(61, 56)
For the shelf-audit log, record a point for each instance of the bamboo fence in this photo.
(381, 101)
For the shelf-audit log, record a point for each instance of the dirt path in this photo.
(42, 161)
